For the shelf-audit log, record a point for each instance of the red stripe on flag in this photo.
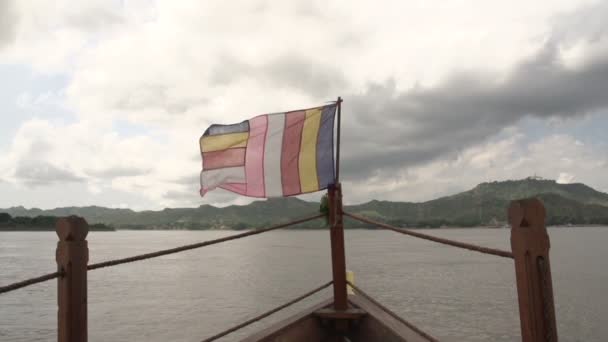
(292, 136)
(225, 158)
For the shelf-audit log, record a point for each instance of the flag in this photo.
(271, 155)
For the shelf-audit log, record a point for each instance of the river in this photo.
(455, 295)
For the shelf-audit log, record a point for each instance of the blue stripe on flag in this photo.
(325, 148)
(225, 129)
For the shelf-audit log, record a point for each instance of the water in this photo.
(456, 295)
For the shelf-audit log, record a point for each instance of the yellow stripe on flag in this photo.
(308, 151)
(212, 143)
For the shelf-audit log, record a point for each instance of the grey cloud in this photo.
(38, 173)
(119, 171)
(386, 130)
(298, 73)
(587, 23)
(8, 22)
(289, 71)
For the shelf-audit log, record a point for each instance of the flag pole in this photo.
(339, 102)
(336, 234)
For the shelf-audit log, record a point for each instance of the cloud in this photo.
(181, 196)
(565, 178)
(587, 22)
(118, 171)
(287, 71)
(511, 155)
(192, 179)
(41, 173)
(190, 197)
(8, 22)
(46, 153)
(386, 130)
(93, 16)
(172, 68)
(154, 96)
(47, 35)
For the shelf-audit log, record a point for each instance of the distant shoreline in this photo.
(51, 229)
(36, 229)
(484, 206)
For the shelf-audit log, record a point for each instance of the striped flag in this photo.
(271, 155)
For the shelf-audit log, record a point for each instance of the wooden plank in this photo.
(350, 313)
(303, 326)
(338, 258)
(378, 325)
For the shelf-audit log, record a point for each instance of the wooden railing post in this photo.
(530, 246)
(337, 247)
(72, 258)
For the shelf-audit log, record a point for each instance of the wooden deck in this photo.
(303, 326)
(364, 321)
(378, 325)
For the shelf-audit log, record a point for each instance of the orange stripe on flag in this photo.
(226, 158)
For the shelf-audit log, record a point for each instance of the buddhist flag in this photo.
(271, 155)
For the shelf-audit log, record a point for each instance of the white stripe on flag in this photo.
(210, 179)
(272, 155)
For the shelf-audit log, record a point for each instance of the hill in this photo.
(484, 205)
(38, 223)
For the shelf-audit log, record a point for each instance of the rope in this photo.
(268, 313)
(391, 313)
(31, 281)
(468, 246)
(195, 245)
(43, 278)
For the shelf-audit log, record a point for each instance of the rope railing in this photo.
(391, 313)
(267, 313)
(31, 281)
(480, 249)
(46, 277)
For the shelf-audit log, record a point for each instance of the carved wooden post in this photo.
(530, 246)
(72, 258)
(337, 247)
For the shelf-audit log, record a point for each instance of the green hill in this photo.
(484, 205)
(38, 223)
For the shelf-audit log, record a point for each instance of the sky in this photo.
(103, 102)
